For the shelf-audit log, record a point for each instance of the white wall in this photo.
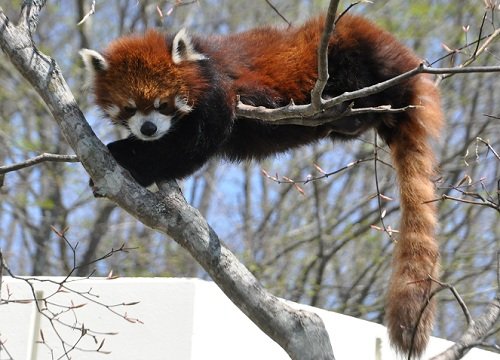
(179, 319)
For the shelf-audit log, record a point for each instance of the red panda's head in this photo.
(143, 82)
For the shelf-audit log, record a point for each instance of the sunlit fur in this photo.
(198, 80)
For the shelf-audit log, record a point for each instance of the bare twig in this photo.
(488, 145)
(37, 160)
(387, 230)
(470, 202)
(492, 116)
(475, 333)
(286, 180)
(302, 334)
(5, 351)
(52, 311)
(456, 295)
(177, 4)
(477, 51)
(461, 48)
(346, 10)
(87, 15)
(278, 12)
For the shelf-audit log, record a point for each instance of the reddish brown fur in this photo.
(416, 254)
(165, 81)
(270, 67)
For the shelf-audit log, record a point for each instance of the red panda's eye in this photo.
(129, 111)
(165, 108)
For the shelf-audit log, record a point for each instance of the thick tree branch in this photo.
(300, 333)
(331, 109)
(291, 114)
(29, 14)
(316, 93)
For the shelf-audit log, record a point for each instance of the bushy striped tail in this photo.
(409, 310)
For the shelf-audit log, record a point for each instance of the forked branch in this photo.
(331, 109)
(300, 333)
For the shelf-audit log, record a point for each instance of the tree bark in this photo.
(300, 333)
(475, 333)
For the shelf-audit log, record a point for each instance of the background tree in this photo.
(295, 244)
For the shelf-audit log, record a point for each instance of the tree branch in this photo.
(278, 13)
(478, 329)
(475, 333)
(478, 51)
(317, 92)
(29, 14)
(331, 109)
(300, 333)
(37, 160)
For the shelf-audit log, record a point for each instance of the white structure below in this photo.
(178, 319)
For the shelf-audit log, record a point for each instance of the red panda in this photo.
(177, 95)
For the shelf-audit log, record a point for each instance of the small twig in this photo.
(349, 7)
(90, 13)
(478, 51)
(52, 310)
(492, 116)
(448, 197)
(286, 180)
(461, 48)
(475, 332)
(279, 13)
(422, 310)
(460, 301)
(4, 349)
(490, 148)
(387, 230)
(481, 28)
(38, 159)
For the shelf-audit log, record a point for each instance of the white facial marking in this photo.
(131, 102)
(182, 105)
(162, 123)
(156, 103)
(112, 110)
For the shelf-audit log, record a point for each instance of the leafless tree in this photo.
(269, 249)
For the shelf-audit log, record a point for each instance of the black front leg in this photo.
(138, 157)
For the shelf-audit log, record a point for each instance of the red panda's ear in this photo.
(183, 49)
(94, 63)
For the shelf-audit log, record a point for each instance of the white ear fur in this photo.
(94, 63)
(183, 49)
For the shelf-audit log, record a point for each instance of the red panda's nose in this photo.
(148, 128)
